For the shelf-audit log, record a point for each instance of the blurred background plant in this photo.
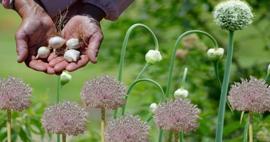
(168, 19)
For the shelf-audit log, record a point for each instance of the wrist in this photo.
(25, 8)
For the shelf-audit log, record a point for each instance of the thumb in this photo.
(21, 46)
(93, 47)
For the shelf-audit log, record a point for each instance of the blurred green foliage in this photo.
(168, 19)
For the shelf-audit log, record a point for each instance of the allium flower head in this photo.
(104, 92)
(127, 129)
(233, 15)
(66, 118)
(177, 115)
(15, 95)
(250, 95)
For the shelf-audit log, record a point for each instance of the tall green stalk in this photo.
(224, 89)
(250, 126)
(103, 124)
(173, 55)
(139, 81)
(124, 49)
(181, 136)
(64, 138)
(58, 98)
(176, 136)
(9, 125)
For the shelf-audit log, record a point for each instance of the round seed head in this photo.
(178, 115)
(65, 118)
(104, 92)
(233, 15)
(250, 95)
(15, 95)
(127, 129)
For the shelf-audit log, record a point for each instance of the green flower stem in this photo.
(142, 71)
(245, 133)
(9, 125)
(139, 81)
(176, 136)
(184, 78)
(181, 136)
(64, 137)
(124, 49)
(216, 68)
(103, 124)
(172, 60)
(59, 86)
(224, 89)
(250, 126)
(160, 135)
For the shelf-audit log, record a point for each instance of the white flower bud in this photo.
(153, 56)
(43, 52)
(73, 43)
(153, 107)
(215, 53)
(56, 42)
(179, 93)
(72, 55)
(65, 77)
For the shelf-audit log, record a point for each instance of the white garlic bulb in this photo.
(72, 55)
(56, 42)
(73, 43)
(43, 52)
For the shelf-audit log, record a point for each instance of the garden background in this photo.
(168, 19)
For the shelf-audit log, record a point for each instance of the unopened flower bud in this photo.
(153, 107)
(72, 55)
(153, 56)
(56, 42)
(180, 93)
(215, 53)
(73, 43)
(268, 69)
(43, 52)
(65, 77)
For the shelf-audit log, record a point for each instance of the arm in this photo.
(112, 8)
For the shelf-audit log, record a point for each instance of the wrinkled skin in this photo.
(37, 27)
(88, 30)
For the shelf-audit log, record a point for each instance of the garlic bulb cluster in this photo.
(69, 48)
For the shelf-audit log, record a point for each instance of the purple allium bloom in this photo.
(127, 129)
(250, 95)
(104, 92)
(177, 115)
(65, 118)
(15, 95)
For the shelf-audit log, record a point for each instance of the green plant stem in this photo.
(176, 136)
(245, 132)
(181, 136)
(58, 98)
(173, 55)
(124, 49)
(216, 67)
(160, 135)
(103, 124)
(64, 137)
(250, 126)
(142, 71)
(9, 125)
(184, 78)
(139, 81)
(224, 89)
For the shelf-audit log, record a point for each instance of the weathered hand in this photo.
(89, 32)
(34, 31)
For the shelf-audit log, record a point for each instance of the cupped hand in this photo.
(34, 31)
(89, 32)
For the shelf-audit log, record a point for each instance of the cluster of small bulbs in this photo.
(71, 52)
